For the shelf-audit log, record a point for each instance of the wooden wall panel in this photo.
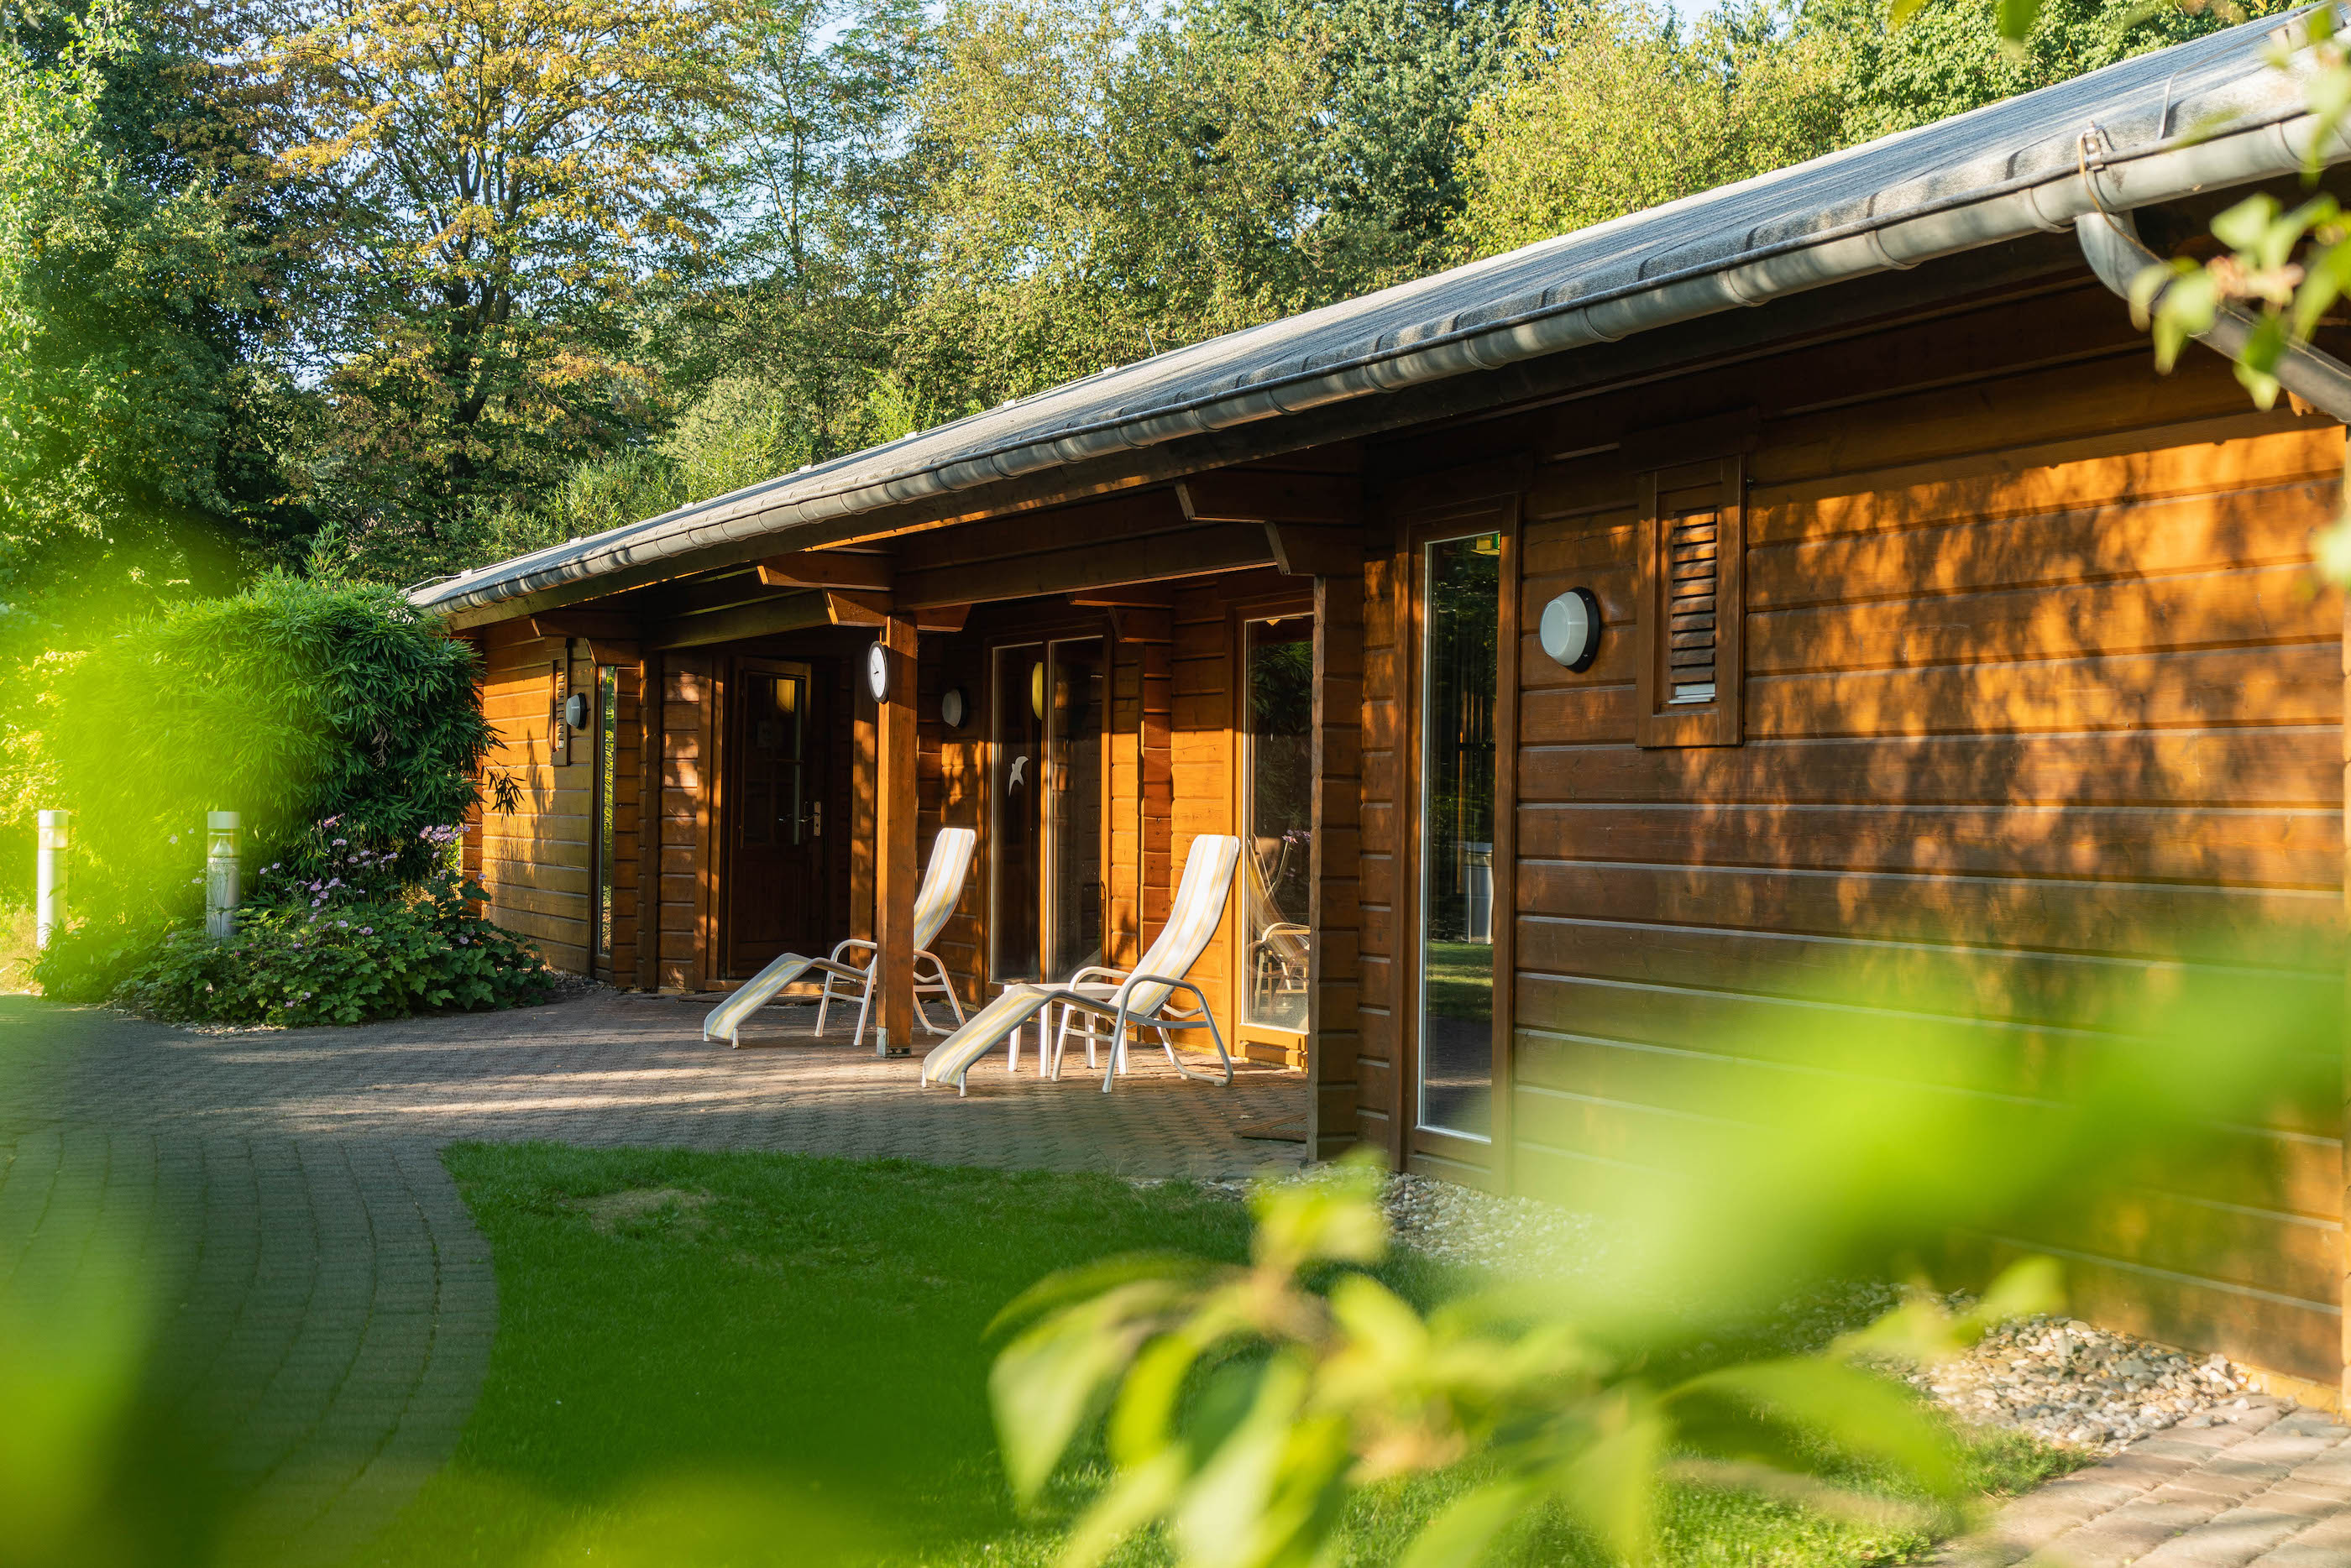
(2040, 690)
(1380, 868)
(534, 862)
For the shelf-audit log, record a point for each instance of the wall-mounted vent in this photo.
(1693, 545)
(1692, 540)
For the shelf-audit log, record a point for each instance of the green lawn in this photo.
(791, 1371)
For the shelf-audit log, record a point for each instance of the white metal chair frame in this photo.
(839, 970)
(1085, 1015)
(1124, 1001)
(943, 881)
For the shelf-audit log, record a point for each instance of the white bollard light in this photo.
(224, 879)
(49, 875)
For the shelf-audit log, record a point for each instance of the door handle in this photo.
(816, 819)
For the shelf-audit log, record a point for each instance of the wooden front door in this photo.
(777, 818)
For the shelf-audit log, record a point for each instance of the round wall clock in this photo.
(877, 671)
(954, 707)
(1570, 628)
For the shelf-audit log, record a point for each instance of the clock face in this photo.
(877, 672)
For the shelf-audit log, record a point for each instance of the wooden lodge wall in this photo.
(2037, 677)
(535, 863)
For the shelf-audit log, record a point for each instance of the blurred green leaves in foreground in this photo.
(1242, 1406)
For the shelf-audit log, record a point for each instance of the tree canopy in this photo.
(384, 288)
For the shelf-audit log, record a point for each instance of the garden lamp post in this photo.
(49, 875)
(223, 879)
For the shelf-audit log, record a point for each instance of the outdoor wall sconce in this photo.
(1570, 628)
(574, 709)
(954, 707)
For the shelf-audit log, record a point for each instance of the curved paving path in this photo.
(325, 1307)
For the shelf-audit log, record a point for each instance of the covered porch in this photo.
(1087, 687)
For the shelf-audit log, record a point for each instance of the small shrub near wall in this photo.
(352, 943)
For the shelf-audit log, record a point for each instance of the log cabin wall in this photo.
(2036, 680)
(539, 863)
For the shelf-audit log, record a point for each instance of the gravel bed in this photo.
(2067, 1382)
(2063, 1381)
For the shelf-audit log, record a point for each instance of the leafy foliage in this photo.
(289, 703)
(347, 960)
(510, 173)
(1610, 108)
(1243, 1405)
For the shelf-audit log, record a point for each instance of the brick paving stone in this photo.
(2273, 1488)
(327, 1306)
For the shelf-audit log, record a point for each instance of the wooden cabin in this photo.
(1939, 639)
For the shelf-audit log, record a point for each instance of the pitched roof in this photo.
(2156, 127)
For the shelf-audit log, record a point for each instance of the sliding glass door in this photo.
(1047, 779)
(1461, 595)
(1277, 768)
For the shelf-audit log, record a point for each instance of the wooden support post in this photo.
(1334, 1031)
(893, 835)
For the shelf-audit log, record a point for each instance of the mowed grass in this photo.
(750, 1359)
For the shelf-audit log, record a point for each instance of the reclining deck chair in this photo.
(1137, 998)
(942, 885)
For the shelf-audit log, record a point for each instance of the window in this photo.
(1692, 544)
(1461, 585)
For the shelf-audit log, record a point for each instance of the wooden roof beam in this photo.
(857, 571)
(1151, 558)
(1255, 495)
(780, 613)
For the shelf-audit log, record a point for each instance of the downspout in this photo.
(2111, 245)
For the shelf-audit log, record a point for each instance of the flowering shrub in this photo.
(346, 961)
(342, 933)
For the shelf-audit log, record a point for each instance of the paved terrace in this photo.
(327, 1306)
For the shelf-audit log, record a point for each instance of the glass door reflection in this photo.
(1046, 895)
(1461, 593)
(1278, 661)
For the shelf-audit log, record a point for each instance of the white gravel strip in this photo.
(2063, 1381)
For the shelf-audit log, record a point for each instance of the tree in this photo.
(1382, 164)
(1943, 57)
(1101, 183)
(1609, 109)
(510, 175)
(144, 416)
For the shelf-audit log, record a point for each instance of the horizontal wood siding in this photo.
(2039, 684)
(535, 859)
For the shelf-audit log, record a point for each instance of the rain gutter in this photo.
(2110, 244)
(2106, 180)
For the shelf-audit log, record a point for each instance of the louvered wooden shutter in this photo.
(1693, 562)
(1691, 543)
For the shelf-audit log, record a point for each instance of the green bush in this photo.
(343, 962)
(292, 704)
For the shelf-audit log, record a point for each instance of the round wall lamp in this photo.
(954, 707)
(574, 709)
(1570, 628)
